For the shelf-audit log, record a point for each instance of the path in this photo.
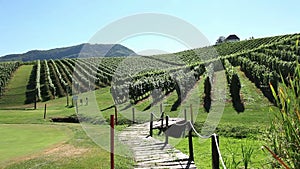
(150, 152)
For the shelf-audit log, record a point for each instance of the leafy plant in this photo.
(231, 161)
(247, 152)
(284, 130)
(237, 159)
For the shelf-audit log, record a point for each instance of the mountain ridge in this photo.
(83, 50)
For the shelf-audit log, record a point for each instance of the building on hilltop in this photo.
(232, 38)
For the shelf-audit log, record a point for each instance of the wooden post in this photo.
(35, 104)
(162, 120)
(167, 124)
(185, 118)
(151, 124)
(112, 141)
(191, 148)
(76, 106)
(214, 151)
(73, 101)
(67, 96)
(45, 111)
(192, 115)
(160, 108)
(86, 101)
(35, 94)
(116, 115)
(133, 116)
(161, 115)
(67, 99)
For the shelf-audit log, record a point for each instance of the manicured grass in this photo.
(14, 95)
(75, 136)
(20, 140)
(81, 152)
(55, 108)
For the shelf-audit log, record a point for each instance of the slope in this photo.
(14, 95)
(82, 50)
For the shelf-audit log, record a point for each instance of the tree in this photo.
(220, 40)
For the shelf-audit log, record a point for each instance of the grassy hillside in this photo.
(256, 64)
(14, 96)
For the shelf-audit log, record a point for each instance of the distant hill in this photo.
(82, 50)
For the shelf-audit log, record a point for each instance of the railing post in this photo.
(191, 148)
(112, 141)
(214, 151)
(167, 124)
(151, 124)
(162, 120)
(133, 116)
(161, 115)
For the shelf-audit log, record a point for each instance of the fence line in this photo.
(214, 135)
(195, 131)
(192, 128)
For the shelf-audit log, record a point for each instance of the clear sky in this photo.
(36, 24)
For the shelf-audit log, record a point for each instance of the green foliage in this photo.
(233, 161)
(247, 152)
(15, 89)
(234, 84)
(207, 94)
(284, 131)
(6, 70)
(31, 86)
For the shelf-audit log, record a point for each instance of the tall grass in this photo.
(285, 128)
(237, 159)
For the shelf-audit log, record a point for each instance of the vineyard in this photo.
(135, 78)
(266, 62)
(6, 71)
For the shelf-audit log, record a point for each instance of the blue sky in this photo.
(34, 24)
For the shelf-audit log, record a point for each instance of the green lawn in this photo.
(78, 151)
(27, 136)
(230, 149)
(19, 140)
(55, 108)
(14, 95)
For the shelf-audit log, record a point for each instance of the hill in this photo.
(82, 50)
(250, 67)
